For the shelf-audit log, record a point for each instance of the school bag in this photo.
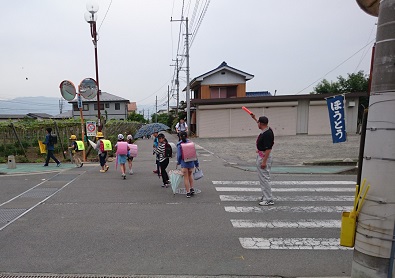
(133, 150)
(188, 152)
(53, 139)
(122, 148)
(79, 146)
(105, 145)
(168, 150)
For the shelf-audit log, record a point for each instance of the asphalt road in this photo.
(80, 221)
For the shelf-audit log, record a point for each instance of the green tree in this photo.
(134, 117)
(355, 82)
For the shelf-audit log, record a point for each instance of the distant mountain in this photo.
(24, 105)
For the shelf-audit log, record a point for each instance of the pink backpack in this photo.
(122, 148)
(133, 150)
(188, 151)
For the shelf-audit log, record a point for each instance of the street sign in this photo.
(79, 101)
(91, 128)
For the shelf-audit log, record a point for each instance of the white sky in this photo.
(285, 44)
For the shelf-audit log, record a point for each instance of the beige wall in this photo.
(232, 121)
(319, 120)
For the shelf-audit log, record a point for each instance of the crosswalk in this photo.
(308, 207)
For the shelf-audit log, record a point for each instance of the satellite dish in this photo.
(88, 88)
(370, 6)
(67, 89)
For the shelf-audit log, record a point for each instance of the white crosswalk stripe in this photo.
(292, 243)
(294, 189)
(292, 183)
(308, 209)
(234, 198)
(320, 192)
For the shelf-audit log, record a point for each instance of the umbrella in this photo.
(149, 129)
(175, 177)
(93, 144)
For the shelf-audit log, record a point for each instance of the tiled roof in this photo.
(39, 115)
(13, 116)
(222, 66)
(103, 97)
(258, 94)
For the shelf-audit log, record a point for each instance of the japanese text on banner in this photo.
(337, 118)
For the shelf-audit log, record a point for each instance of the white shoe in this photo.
(130, 172)
(267, 203)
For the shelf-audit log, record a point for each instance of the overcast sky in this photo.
(286, 44)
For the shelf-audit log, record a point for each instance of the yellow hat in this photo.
(73, 137)
(99, 135)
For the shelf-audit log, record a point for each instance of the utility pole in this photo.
(156, 109)
(178, 87)
(168, 99)
(188, 93)
(187, 72)
(374, 250)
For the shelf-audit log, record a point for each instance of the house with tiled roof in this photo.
(111, 107)
(218, 95)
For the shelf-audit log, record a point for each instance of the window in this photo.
(85, 107)
(218, 92)
(107, 105)
(117, 106)
(101, 106)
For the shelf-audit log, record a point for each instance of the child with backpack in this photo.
(131, 153)
(102, 147)
(186, 157)
(163, 156)
(122, 149)
(76, 148)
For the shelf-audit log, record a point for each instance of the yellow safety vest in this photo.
(80, 145)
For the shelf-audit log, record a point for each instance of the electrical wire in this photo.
(105, 16)
(335, 68)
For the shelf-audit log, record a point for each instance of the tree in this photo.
(355, 82)
(134, 117)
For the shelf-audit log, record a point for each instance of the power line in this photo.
(335, 68)
(105, 16)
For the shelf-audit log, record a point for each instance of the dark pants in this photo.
(50, 155)
(163, 166)
(102, 158)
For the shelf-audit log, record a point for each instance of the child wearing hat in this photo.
(102, 154)
(76, 148)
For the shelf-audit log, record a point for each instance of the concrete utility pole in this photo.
(178, 88)
(375, 239)
(188, 88)
(168, 99)
(156, 109)
(187, 71)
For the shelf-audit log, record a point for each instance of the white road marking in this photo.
(287, 182)
(292, 243)
(238, 198)
(309, 209)
(301, 224)
(304, 189)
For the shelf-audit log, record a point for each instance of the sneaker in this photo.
(58, 165)
(124, 176)
(45, 165)
(102, 171)
(267, 203)
(192, 191)
(188, 195)
(107, 167)
(82, 164)
(130, 172)
(163, 185)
